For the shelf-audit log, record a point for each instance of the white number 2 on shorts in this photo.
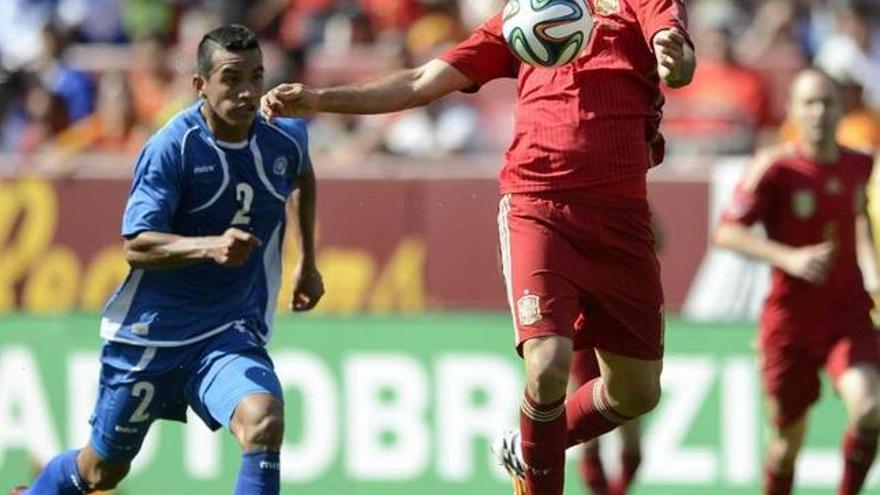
(145, 390)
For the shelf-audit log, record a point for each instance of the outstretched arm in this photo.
(397, 91)
(809, 263)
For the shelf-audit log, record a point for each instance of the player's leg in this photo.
(782, 452)
(790, 377)
(126, 407)
(258, 425)
(859, 388)
(623, 301)
(853, 364)
(627, 388)
(585, 367)
(236, 386)
(542, 414)
(545, 304)
(630, 456)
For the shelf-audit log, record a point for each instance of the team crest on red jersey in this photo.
(528, 309)
(803, 203)
(833, 186)
(607, 7)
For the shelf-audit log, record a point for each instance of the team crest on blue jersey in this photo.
(803, 203)
(280, 166)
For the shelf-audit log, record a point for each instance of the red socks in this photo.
(629, 465)
(589, 413)
(594, 475)
(859, 450)
(543, 435)
(776, 483)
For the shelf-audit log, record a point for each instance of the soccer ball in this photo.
(546, 33)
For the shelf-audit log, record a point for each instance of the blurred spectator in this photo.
(62, 79)
(144, 17)
(474, 12)
(13, 117)
(302, 21)
(435, 131)
(432, 33)
(748, 49)
(725, 106)
(773, 47)
(21, 27)
(113, 126)
(259, 15)
(151, 79)
(857, 41)
(391, 16)
(93, 20)
(47, 116)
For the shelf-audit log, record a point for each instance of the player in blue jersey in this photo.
(203, 230)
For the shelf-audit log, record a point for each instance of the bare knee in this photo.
(548, 362)
(782, 454)
(258, 423)
(785, 444)
(636, 399)
(866, 415)
(100, 474)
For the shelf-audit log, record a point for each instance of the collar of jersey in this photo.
(200, 120)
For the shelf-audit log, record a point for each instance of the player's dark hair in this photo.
(232, 38)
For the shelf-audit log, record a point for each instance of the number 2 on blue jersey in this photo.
(244, 194)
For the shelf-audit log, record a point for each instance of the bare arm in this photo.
(742, 239)
(308, 287)
(867, 253)
(302, 211)
(808, 263)
(158, 250)
(397, 91)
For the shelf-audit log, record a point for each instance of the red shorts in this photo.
(790, 371)
(565, 257)
(584, 366)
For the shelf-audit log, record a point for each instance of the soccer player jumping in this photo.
(574, 220)
(203, 230)
(810, 196)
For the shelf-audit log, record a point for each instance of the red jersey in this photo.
(592, 122)
(802, 202)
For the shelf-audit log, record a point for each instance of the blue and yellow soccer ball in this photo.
(547, 33)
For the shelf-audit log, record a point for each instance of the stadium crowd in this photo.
(100, 76)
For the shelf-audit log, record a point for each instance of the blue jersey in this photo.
(188, 183)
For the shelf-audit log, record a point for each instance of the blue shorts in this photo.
(141, 384)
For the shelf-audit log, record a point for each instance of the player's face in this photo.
(233, 87)
(815, 108)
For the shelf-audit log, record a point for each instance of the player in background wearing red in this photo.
(574, 220)
(585, 367)
(810, 197)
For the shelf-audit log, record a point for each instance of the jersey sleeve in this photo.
(657, 15)
(156, 190)
(754, 194)
(297, 131)
(484, 55)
